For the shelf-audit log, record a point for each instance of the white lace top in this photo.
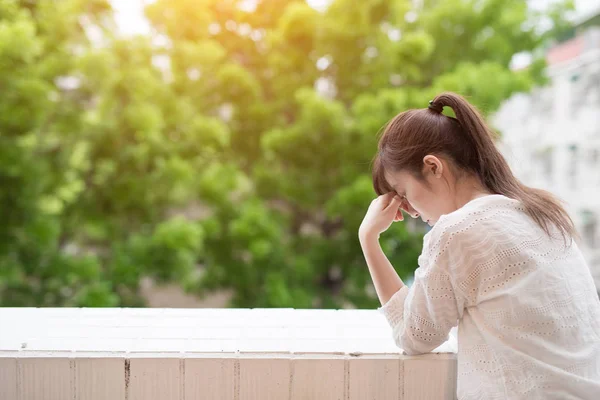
(527, 311)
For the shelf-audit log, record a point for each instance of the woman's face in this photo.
(428, 198)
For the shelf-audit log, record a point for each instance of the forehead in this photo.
(397, 179)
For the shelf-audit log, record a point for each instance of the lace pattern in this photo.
(525, 303)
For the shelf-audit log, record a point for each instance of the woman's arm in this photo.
(384, 276)
(421, 317)
(382, 211)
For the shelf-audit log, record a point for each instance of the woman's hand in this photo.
(383, 210)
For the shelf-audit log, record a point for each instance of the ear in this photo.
(433, 165)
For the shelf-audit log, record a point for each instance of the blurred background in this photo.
(205, 153)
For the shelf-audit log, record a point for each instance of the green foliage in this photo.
(208, 157)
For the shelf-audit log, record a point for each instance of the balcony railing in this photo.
(237, 354)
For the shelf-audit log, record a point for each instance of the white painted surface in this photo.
(154, 378)
(266, 378)
(8, 378)
(209, 378)
(99, 378)
(426, 380)
(319, 378)
(374, 378)
(44, 378)
(197, 330)
(238, 354)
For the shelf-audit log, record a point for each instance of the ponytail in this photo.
(489, 164)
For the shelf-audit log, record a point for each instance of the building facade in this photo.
(551, 136)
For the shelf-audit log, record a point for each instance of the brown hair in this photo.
(469, 143)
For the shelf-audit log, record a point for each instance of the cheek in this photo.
(437, 207)
(418, 203)
(424, 202)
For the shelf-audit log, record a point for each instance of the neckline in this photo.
(471, 202)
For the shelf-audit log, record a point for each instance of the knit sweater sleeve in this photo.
(421, 316)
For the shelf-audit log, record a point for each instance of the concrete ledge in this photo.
(113, 354)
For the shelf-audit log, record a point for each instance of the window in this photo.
(594, 157)
(590, 229)
(546, 158)
(593, 165)
(572, 167)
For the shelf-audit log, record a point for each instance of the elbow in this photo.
(414, 345)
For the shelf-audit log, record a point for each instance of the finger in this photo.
(405, 206)
(399, 216)
(394, 202)
(385, 200)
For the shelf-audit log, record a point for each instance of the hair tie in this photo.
(435, 107)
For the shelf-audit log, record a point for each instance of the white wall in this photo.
(542, 129)
(213, 354)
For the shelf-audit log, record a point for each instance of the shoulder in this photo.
(469, 231)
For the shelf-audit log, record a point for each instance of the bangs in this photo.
(380, 184)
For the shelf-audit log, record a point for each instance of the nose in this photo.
(409, 209)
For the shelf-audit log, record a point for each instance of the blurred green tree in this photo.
(231, 148)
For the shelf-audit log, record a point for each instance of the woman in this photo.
(500, 262)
